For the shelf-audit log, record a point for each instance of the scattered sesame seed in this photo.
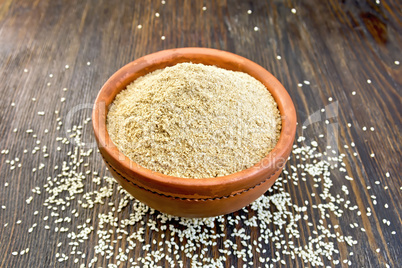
(157, 14)
(204, 8)
(372, 155)
(364, 128)
(67, 66)
(353, 93)
(396, 62)
(306, 82)
(368, 81)
(191, 235)
(279, 57)
(163, 37)
(249, 11)
(256, 29)
(299, 84)
(89, 63)
(25, 70)
(63, 99)
(293, 10)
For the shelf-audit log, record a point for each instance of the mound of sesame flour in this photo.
(195, 121)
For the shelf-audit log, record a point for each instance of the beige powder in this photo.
(195, 121)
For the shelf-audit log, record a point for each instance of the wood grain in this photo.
(335, 45)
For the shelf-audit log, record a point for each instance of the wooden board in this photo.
(341, 56)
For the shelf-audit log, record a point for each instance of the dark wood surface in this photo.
(335, 45)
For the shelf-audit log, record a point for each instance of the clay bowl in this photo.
(185, 196)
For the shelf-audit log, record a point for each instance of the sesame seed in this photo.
(368, 81)
(293, 10)
(306, 82)
(256, 29)
(163, 37)
(396, 62)
(157, 14)
(204, 8)
(74, 186)
(249, 11)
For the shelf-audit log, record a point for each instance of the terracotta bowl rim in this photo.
(276, 158)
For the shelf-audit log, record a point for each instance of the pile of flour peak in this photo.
(195, 121)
